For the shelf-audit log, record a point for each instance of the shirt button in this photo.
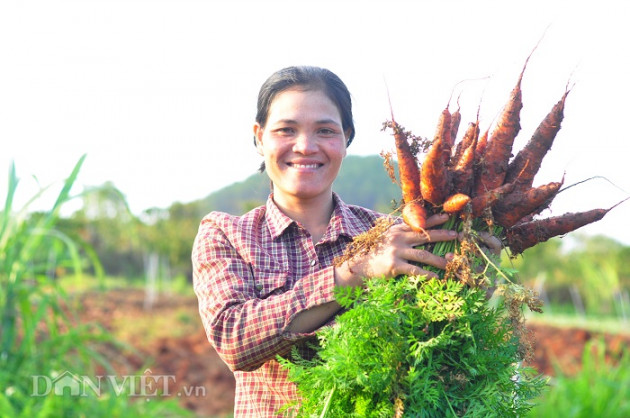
(313, 262)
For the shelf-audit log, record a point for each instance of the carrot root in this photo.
(456, 203)
(526, 235)
(434, 172)
(519, 204)
(527, 162)
(415, 215)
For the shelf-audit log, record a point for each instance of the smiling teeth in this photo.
(305, 165)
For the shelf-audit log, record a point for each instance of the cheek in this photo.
(337, 152)
(272, 150)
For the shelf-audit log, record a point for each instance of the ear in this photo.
(347, 135)
(258, 133)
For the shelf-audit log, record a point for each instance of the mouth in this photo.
(311, 166)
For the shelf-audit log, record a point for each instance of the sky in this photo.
(161, 95)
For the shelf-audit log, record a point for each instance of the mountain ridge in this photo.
(362, 181)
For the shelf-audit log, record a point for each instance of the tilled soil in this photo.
(562, 349)
(177, 346)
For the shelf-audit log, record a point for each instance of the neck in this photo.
(313, 214)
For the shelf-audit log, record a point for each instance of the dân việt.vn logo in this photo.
(146, 385)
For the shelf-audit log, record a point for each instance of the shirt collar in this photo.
(277, 221)
(342, 222)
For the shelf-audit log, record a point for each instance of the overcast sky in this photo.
(161, 94)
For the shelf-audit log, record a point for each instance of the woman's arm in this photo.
(245, 328)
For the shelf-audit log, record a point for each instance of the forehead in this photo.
(294, 103)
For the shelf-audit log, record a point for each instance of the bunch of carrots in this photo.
(476, 179)
(480, 184)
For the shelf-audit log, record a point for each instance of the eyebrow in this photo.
(319, 122)
(327, 121)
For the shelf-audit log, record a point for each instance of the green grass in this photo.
(74, 284)
(602, 324)
(600, 389)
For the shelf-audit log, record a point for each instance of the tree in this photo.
(106, 223)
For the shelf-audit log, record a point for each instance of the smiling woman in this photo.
(265, 280)
(303, 144)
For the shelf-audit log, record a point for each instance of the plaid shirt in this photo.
(252, 275)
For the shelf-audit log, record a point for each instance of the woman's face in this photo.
(303, 144)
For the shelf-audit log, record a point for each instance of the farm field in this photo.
(169, 340)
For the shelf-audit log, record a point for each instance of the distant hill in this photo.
(362, 181)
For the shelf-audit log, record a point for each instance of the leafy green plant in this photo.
(39, 335)
(430, 348)
(28, 296)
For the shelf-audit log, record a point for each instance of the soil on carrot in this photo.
(168, 339)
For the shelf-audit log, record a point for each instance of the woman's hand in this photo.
(396, 254)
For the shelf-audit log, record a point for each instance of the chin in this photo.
(309, 193)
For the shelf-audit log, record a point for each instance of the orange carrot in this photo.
(498, 151)
(465, 142)
(462, 163)
(456, 203)
(499, 148)
(527, 162)
(456, 119)
(415, 215)
(489, 198)
(519, 204)
(480, 149)
(407, 166)
(434, 172)
(526, 235)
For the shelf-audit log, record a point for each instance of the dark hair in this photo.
(308, 78)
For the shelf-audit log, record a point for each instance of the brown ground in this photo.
(170, 341)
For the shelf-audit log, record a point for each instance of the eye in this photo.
(285, 131)
(327, 132)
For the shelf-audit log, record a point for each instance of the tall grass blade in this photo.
(47, 221)
(8, 204)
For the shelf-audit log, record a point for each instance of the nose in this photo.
(305, 144)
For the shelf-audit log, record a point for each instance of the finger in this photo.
(418, 271)
(436, 235)
(425, 257)
(436, 220)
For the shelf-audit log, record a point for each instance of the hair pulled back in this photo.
(307, 78)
